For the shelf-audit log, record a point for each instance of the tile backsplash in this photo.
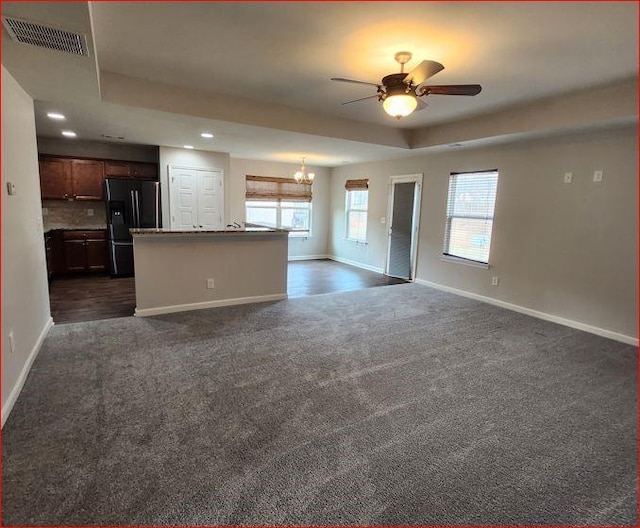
(59, 214)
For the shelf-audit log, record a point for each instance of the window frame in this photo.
(449, 257)
(348, 208)
(295, 233)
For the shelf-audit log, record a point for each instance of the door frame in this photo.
(171, 194)
(415, 219)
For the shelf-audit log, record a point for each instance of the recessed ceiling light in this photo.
(188, 146)
(69, 133)
(56, 115)
(207, 135)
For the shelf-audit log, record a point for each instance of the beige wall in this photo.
(97, 149)
(316, 245)
(25, 295)
(195, 159)
(568, 250)
(172, 270)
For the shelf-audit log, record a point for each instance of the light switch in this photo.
(89, 212)
(568, 177)
(597, 176)
(11, 188)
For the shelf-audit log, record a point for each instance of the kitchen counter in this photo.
(179, 270)
(93, 228)
(227, 231)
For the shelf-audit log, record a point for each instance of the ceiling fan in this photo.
(400, 92)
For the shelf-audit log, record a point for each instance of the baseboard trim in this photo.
(17, 388)
(629, 340)
(309, 257)
(145, 312)
(355, 263)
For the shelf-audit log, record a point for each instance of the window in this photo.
(280, 203)
(356, 209)
(470, 207)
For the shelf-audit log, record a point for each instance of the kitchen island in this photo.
(177, 271)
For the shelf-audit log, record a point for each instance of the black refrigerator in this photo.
(130, 204)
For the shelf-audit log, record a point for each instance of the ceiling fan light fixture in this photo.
(399, 105)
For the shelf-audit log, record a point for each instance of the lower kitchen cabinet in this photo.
(77, 251)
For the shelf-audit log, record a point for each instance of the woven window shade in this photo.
(272, 189)
(356, 185)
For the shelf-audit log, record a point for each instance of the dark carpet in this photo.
(392, 405)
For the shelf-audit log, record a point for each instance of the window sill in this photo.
(466, 262)
(353, 240)
(298, 235)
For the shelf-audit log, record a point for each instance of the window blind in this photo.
(470, 210)
(272, 189)
(356, 185)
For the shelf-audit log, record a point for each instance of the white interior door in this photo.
(196, 198)
(210, 199)
(184, 198)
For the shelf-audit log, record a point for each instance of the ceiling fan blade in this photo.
(340, 79)
(451, 89)
(424, 70)
(361, 99)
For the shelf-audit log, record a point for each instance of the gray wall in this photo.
(567, 250)
(25, 295)
(172, 270)
(97, 149)
(316, 245)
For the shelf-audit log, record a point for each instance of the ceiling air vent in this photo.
(45, 36)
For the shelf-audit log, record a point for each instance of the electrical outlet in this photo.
(210, 284)
(45, 211)
(383, 220)
(597, 176)
(568, 177)
(89, 212)
(12, 347)
(494, 281)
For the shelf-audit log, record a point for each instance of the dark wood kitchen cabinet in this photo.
(71, 179)
(87, 177)
(85, 251)
(55, 178)
(130, 169)
(78, 251)
(83, 178)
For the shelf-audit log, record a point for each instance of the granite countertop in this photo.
(93, 228)
(228, 231)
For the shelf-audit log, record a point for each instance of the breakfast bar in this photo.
(183, 270)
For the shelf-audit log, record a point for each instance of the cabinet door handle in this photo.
(65, 195)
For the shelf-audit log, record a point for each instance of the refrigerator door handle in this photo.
(133, 210)
(156, 188)
(137, 209)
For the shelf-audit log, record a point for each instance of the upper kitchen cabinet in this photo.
(83, 179)
(126, 169)
(55, 178)
(87, 177)
(71, 179)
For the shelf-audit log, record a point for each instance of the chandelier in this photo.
(302, 176)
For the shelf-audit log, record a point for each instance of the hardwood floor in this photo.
(311, 277)
(91, 297)
(94, 297)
